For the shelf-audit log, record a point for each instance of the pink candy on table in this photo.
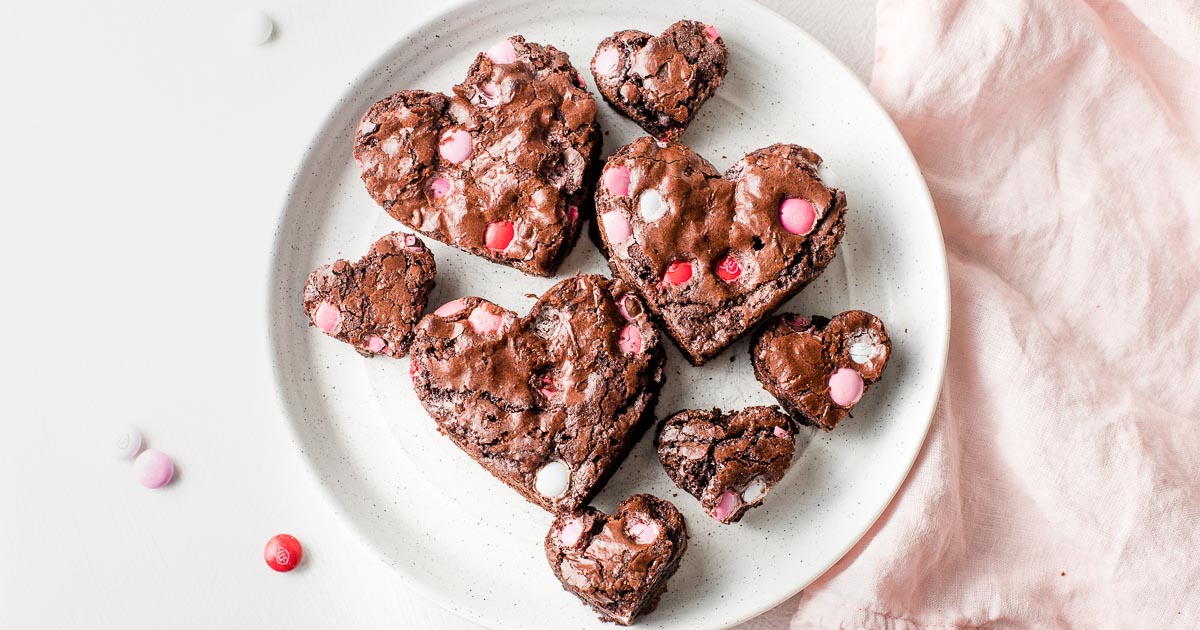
(153, 469)
(450, 308)
(327, 317)
(440, 187)
(606, 61)
(616, 227)
(375, 343)
(711, 33)
(483, 320)
(629, 340)
(498, 235)
(845, 387)
(728, 502)
(502, 52)
(455, 145)
(283, 552)
(797, 216)
(616, 181)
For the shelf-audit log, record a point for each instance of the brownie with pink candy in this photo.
(549, 403)
(711, 254)
(820, 368)
(661, 81)
(502, 169)
(618, 564)
(727, 461)
(375, 303)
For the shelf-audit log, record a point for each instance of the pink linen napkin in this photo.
(1060, 485)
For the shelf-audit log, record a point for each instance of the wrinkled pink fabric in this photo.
(1060, 484)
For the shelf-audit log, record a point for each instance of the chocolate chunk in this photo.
(819, 368)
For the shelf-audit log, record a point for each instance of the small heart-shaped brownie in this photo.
(618, 564)
(501, 169)
(549, 403)
(661, 82)
(819, 368)
(728, 461)
(712, 255)
(373, 304)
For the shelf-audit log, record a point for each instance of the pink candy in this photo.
(484, 321)
(616, 227)
(845, 387)
(502, 52)
(711, 33)
(797, 322)
(548, 389)
(624, 309)
(499, 235)
(570, 533)
(327, 317)
(780, 432)
(375, 343)
(153, 469)
(450, 308)
(644, 533)
(629, 340)
(797, 215)
(572, 213)
(728, 502)
(455, 145)
(440, 187)
(616, 181)
(606, 61)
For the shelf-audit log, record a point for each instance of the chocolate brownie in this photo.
(373, 304)
(819, 368)
(618, 564)
(502, 169)
(661, 82)
(713, 255)
(549, 403)
(728, 461)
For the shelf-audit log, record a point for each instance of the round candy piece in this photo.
(643, 533)
(616, 227)
(440, 187)
(450, 308)
(845, 387)
(797, 215)
(606, 62)
(283, 552)
(629, 340)
(253, 27)
(375, 343)
(726, 505)
(127, 444)
(729, 269)
(570, 533)
(651, 205)
(711, 33)
(153, 469)
(678, 272)
(616, 181)
(327, 317)
(552, 479)
(483, 320)
(455, 146)
(754, 490)
(498, 235)
(502, 52)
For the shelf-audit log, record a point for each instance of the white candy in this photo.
(828, 177)
(754, 490)
(252, 27)
(651, 205)
(863, 348)
(127, 444)
(552, 479)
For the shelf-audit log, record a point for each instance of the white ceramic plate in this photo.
(475, 546)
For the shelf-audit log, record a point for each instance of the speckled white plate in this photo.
(475, 546)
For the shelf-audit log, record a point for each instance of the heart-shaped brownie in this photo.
(618, 564)
(549, 403)
(819, 368)
(728, 461)
(373, 304)
(712, 255)
(661, 82)
(501, 169)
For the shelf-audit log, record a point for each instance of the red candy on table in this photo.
(283, 553)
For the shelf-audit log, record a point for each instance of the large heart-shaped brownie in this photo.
(373, 304)
(728, 461)
(661, 82)
(819, 368)
(713, 255)
(500, 169)
(618, 564)
(549, 403)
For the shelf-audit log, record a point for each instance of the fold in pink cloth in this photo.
(1060, 485)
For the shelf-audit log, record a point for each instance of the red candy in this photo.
(729, 269)
(498, 235)
(283, 553)
(678, 272)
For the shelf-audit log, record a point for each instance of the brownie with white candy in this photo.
(660, 81)
(727, 461)
(712, 255)
(549, 403)
(820, 368)
(375, 303)
(618, 564)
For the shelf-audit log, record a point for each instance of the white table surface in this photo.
(144, 155)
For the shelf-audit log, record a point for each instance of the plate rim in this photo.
(464, 9)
